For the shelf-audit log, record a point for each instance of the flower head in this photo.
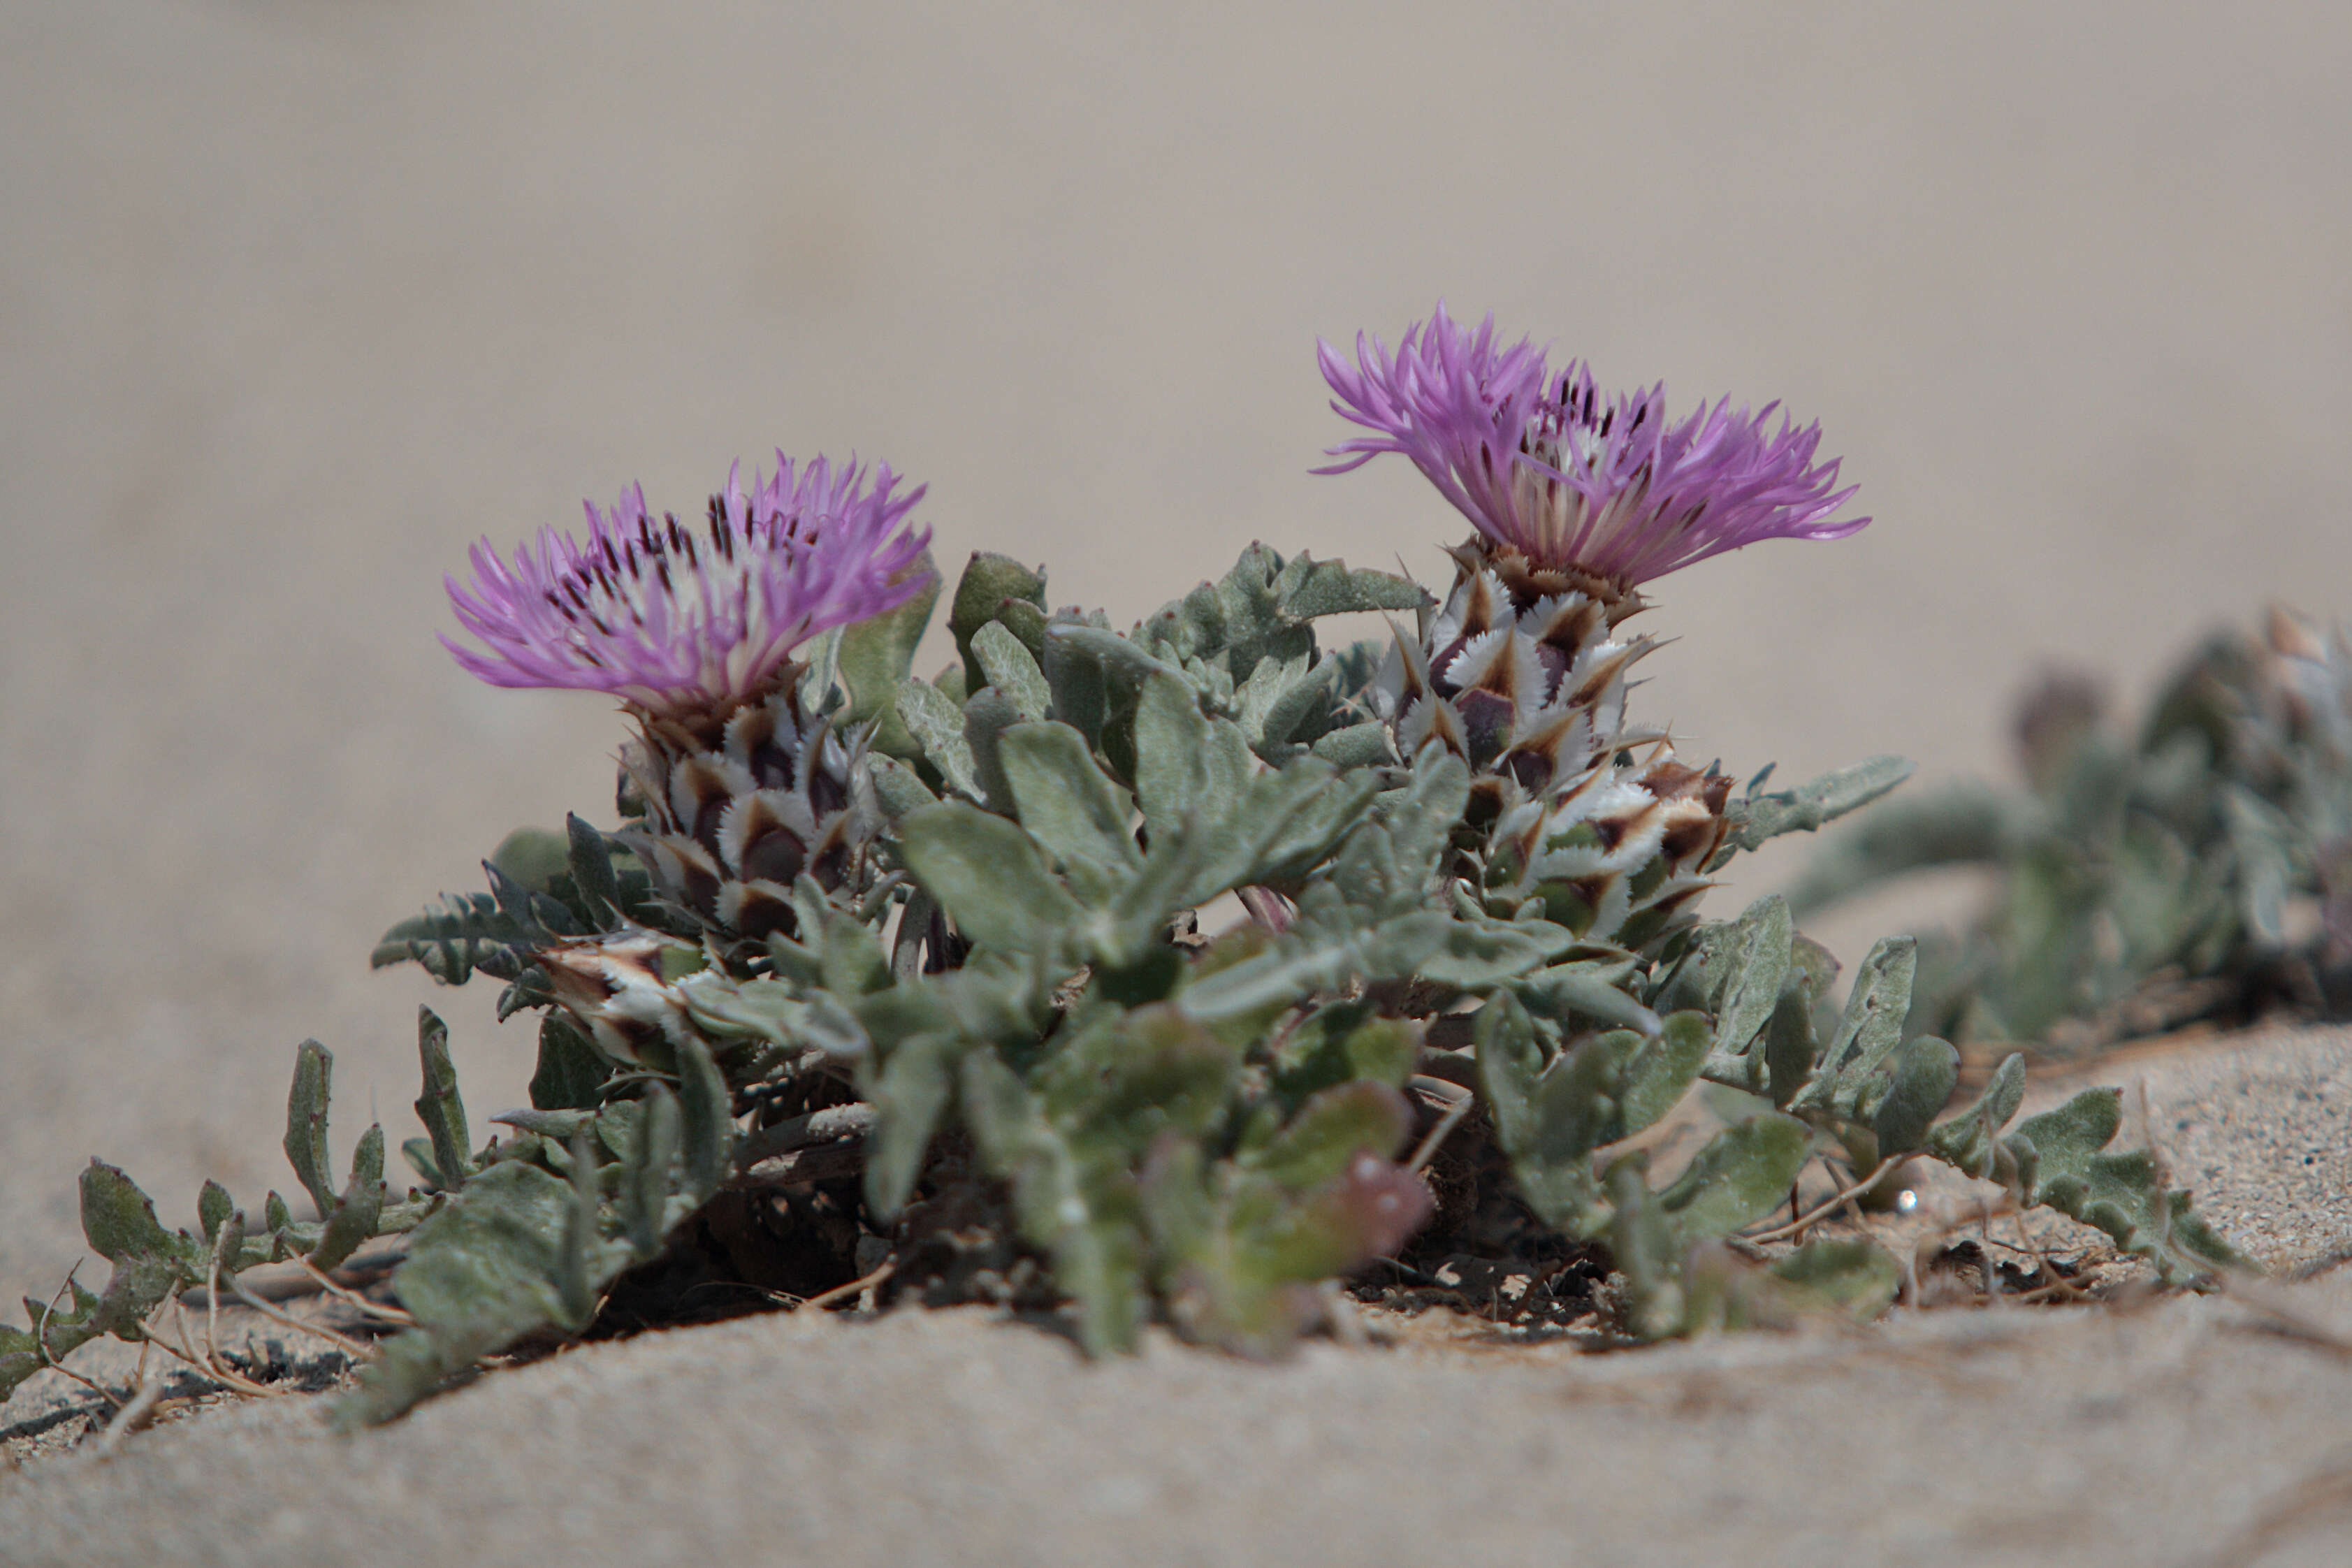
(1539, 462)
(671, 617)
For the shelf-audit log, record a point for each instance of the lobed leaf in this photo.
(1754, 821)
(439, 1107)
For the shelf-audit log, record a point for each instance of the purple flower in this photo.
(1541, 463)
(674, 618)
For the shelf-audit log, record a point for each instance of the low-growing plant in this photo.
(2200, 867)
(903, 985)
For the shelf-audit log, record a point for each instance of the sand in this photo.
(298, 299)
(2177, 1429)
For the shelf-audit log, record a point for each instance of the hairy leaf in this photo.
(988, 876)
(1064, 800)
(1738, 1178)
(1767, 816)
(989, 582)
(1875, 1011)
(877, 654)
(1011, 669)
(305, 1122)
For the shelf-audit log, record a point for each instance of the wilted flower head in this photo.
(673, 618)
(1541, 463)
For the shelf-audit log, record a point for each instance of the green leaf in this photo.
(1872, 1028)
(1970, 1138)
(1476, 954)
(1113, 653)
(937, 724)
(1648, 1249)
(470, 931)
(577, 1273)
(1123, 1082)
(1331, 1129)
(354, 1218)
(649, 1172)
(1064, 800)
(1186, 766)
(988, 581)
(1757, 967)
(439, 1108)
(532, 858)
(1272, 690)
(1343, 1042)
(1740, 1175)
(898, 788)
(1027, 622)
(571, 1073)
(876, 653)
(1662, 1072)
(909, 1094)
(1960, 824)
(2059, 1159)
(1238, 1253)
(988, 876)
(2264, 840)
(1355, 746)
(418, 1153)
(1330, 588)
(1081, 696)
(1311, 959)
(118, 1218)
(1547, 1118)
(1286, 823)
(1827, 798)
(1789, 1045)
(1422, 817)
(987, 714)
(1301, 691)
(707, 1118)
(1856, 1275)
(589, 859)
(481, 1273)
(215, 1209)
(1011, 669)
(305, 1122)
(560, 1126)
(1090, 1219)
(1590, 990)
(1924, 1071)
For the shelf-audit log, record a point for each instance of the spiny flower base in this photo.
(1522, 674)
(737, 805)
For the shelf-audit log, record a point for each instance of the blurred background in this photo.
(299, 299)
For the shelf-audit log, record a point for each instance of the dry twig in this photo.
(352, 1299)
(1820, 1212)
(842, 1292)
(1428, 1148)
(350, 1347)
(204, 1366)
(140, 1410)
(41, 1343)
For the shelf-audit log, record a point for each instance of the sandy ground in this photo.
(2162, 1439)
(2179, 1430)
(298, 298)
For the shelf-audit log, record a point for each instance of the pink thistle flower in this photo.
(675, 619)
(1541, 463)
